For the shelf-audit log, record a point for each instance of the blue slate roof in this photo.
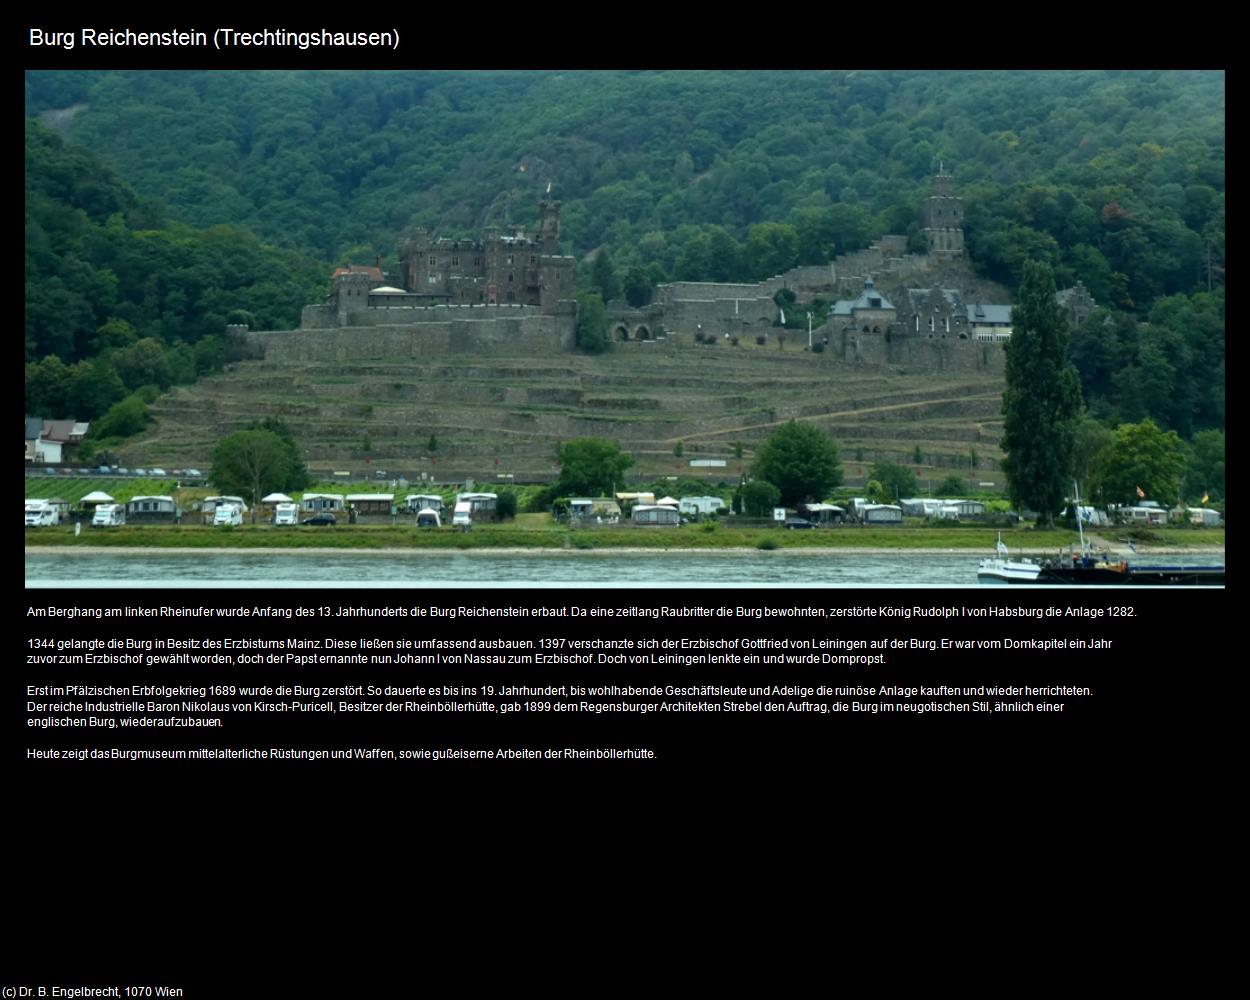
(998, 315)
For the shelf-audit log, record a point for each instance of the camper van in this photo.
(41, 515)
(414, 503)
(286, 514)
(462, 516)
(109, 515)
(227, 514)
(479, 503)
(428, 518)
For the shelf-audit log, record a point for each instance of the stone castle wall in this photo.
(326, 317)
(530, 333)
(719, 315)
(704, 290)
(908, 354)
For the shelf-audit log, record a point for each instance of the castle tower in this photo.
(412, 257)
(351, 293)
(943, 218)
(549, 225)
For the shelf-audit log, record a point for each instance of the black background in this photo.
(136, 853)
(239, 879)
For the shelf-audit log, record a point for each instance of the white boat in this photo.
(1005, 570)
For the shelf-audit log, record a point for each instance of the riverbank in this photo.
(62, 550)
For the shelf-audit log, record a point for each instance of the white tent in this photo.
(98, 496)
(276, 498)
(667, 502)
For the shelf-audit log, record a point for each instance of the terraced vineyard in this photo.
(506, 416)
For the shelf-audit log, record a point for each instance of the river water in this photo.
(489, 569)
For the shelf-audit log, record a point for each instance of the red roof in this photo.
(373, 272)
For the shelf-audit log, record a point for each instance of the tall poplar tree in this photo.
(1042, 400)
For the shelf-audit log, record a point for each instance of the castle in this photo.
(885, 300)
(515, 269)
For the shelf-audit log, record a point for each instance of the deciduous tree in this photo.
(1141, 457)
(759, 497)
(590, 467)
(801, 461)
(253, 463)
(896, 480)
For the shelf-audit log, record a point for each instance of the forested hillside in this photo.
(1114, 178)
(121, 297)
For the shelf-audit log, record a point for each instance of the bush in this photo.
(541, 500)
(123, 420)
(818, 347)
(759, 497)
(766, 544)
(761, 340)
(895, 480)
(505, 506)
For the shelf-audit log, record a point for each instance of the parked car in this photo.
(104, 470)
(140, 472)
(193, 473)
(796, 523)
(317, 519)
(157, 472)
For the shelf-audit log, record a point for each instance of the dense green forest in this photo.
(120, 298)
(234, 181)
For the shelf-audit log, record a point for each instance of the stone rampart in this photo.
(529, 333)
(676, 290)
(907, 354)
(394, 312)
(720, 315)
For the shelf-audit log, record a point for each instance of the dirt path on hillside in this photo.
(892, 407)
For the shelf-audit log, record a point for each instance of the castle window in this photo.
(509, 258)
(948, 324)
(433, 261)
(455, 262)
(533, 259)
(930, 324)
(477, 261)
(510, 275)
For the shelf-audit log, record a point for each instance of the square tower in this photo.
(943, 218)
